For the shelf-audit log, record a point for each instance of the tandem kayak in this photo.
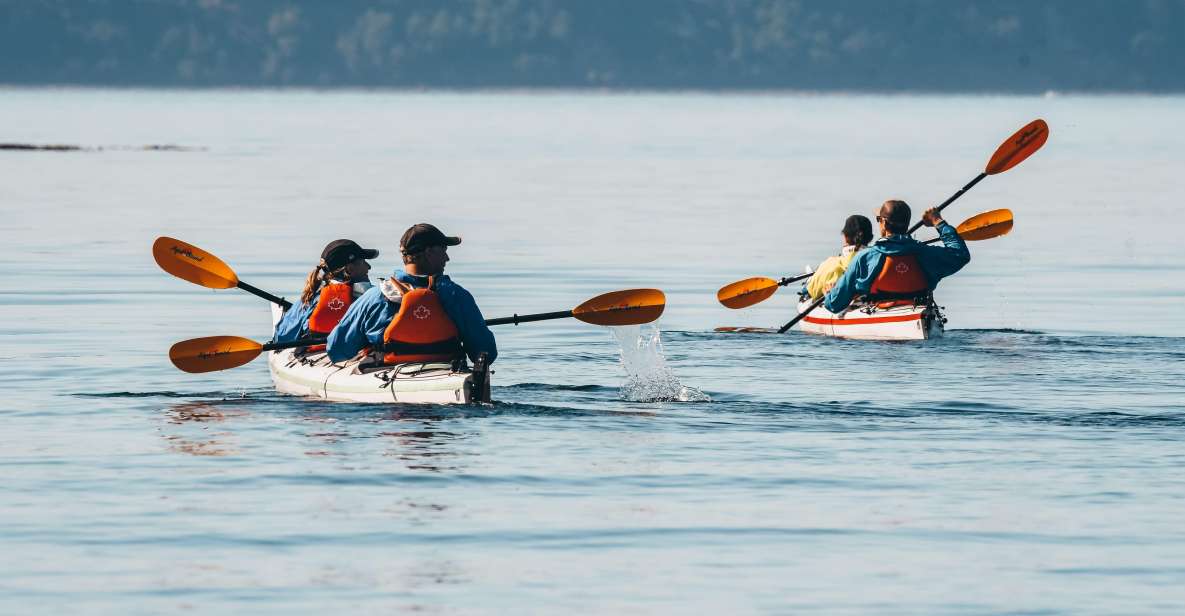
(312, 375)
(919, 319)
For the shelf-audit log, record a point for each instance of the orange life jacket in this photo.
(421, 331)
(335, 299)
(900, 275)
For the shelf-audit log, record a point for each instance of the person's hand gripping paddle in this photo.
(1011, 153)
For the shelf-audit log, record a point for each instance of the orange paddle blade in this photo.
(213, 353)
(986, 225)
(188, 262)
(629, 307)
(1018, 147)
(745, 293)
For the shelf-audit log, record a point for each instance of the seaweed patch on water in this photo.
(64, 147)
(648, 377)
(219, 395)
(1001, 330)
(555, 387)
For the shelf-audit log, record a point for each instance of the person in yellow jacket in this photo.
(857, 233)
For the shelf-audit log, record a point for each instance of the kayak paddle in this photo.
(628, 307)
(188, 262)
(1011, 153)
(750, 291)
(214, 353)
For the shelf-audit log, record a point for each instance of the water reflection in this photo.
(191, 434)
(413, 436)
(426, 448)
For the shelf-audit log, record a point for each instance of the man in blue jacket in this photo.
(424, 249)
(936, 262)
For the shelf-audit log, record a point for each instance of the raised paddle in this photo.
(979, 227)
(1015, 149)
(629, 307)
(188, 262)
(745, 293)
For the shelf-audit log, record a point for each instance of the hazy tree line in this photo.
(935, 45)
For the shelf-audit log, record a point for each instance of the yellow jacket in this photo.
(830, 270)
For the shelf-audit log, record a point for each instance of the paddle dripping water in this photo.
(648, 377)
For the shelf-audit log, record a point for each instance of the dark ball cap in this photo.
(340, 253)
(423, 235)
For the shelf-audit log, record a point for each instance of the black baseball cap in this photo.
(340, 253)
(423, 235)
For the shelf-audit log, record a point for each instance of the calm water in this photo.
(1030, 462)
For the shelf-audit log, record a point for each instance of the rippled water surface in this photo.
(1029, 462)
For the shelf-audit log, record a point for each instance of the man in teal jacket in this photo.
(424, 250)
(937, 262)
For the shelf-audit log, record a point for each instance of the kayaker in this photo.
(857, 233)
(419, 314)
(898, 266)
(337, 280)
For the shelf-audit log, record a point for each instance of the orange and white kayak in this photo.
(314, 376)
(885, 320)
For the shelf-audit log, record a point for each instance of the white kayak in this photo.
(313, 375)
(885, 320)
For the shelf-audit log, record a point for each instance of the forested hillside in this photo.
(865, 45)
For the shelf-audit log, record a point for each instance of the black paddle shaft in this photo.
(527, 318)
(283, 303)
(801, 315)
(291, 344)
(962, 190)
(516, 319)
(785, 281)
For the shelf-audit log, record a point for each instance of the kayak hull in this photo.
(888, 320)
(314, 376)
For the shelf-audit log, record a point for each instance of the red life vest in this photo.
(421, 331)
(899, 275)
(335, 299)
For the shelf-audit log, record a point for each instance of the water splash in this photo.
(648, 377)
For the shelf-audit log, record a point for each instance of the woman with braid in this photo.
(857, 234)
(332, 286)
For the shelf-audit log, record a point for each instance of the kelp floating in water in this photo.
(57, 147)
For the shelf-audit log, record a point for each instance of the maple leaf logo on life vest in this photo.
(901, 268)
(336, 304)
(421, 312)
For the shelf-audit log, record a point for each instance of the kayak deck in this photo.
(919, 319)
(312, 375)
(316, 377)
(885, 320)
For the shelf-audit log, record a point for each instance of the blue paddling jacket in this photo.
(292, 324)
(937, 262)
(368, 317)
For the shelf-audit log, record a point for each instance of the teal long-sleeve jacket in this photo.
(368, 317)
(937, 262)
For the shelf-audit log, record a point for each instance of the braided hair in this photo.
(857, 230)
(319, 277)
